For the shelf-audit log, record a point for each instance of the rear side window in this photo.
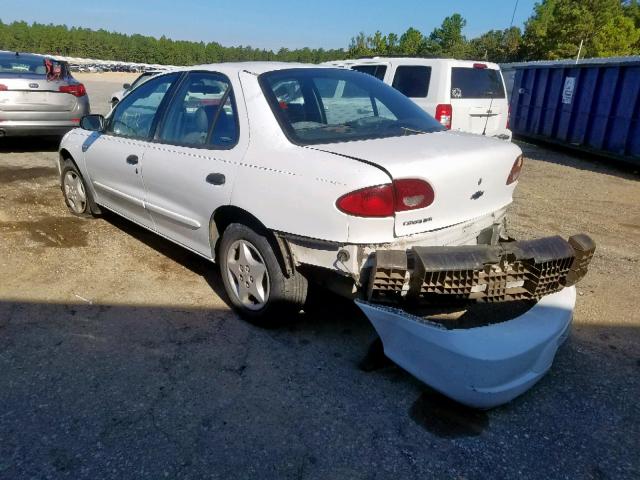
(201, 113)
(377, 71)
(412, 80)
(476, 83)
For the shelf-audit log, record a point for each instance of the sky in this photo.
(264, 24)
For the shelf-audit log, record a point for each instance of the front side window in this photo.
(141, 79)
(201, 113)
(412, 80)
(133, 117)
(377, 71)
(476, 83)
(359, 107)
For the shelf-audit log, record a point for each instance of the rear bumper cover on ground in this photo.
(480, 367)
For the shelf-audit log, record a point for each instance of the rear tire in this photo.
(254, 281)
(76, 194)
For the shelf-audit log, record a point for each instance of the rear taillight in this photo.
(480, 65)
(509, 117)
(77, 90)
(368, 202)
(3, 88)
(385, 200)
(515, 170)
(411, 194)
(444, 113)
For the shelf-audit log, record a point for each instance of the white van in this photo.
(461, 94)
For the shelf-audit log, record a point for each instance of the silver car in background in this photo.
(38, 96)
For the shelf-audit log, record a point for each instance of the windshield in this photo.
(18, 64)
(322, 105)
(12, 64)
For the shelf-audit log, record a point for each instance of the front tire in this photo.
(254, 280)
(76, 195)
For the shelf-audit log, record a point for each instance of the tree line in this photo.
(554, 30)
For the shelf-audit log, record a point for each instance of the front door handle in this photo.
(132, 159)
(216, 179)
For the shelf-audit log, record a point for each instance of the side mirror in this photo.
(93, 123)
(126, 86)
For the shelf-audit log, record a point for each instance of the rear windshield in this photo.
(476, 83)
(12, 64)
(377, 71)
(322, 105)
(412, 80)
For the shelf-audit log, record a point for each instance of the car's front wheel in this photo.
(76, 195)
(254, 280)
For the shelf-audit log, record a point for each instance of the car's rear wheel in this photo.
(254, 280)
(76, 195)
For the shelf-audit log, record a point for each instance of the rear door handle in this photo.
(132, 159)
(216, 179)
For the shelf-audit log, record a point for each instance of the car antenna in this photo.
(486, 122)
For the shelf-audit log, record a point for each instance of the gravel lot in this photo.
(119, 357)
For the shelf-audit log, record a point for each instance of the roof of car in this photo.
(252, 67)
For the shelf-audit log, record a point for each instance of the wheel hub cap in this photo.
(74, 192)
(247, 274)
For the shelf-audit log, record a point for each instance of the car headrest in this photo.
(202, 119)
(204, 89)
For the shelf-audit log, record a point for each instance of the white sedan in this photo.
(285, 174)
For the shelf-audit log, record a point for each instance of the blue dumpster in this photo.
(592, 106)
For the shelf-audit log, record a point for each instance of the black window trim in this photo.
(159, 112)
(228, 94)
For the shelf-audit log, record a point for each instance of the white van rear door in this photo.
(478, 100)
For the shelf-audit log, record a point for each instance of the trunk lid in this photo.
(467, 172)
(34, 93)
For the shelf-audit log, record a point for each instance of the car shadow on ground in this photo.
(321, 304)
(29, 144)
(557, 154)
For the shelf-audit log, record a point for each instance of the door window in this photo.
(202, 113)
(412, 80)
(133, 116)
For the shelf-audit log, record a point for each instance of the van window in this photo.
(412, 80)
(476, 83)
(377, 71)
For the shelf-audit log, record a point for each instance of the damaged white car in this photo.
(285, 174)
